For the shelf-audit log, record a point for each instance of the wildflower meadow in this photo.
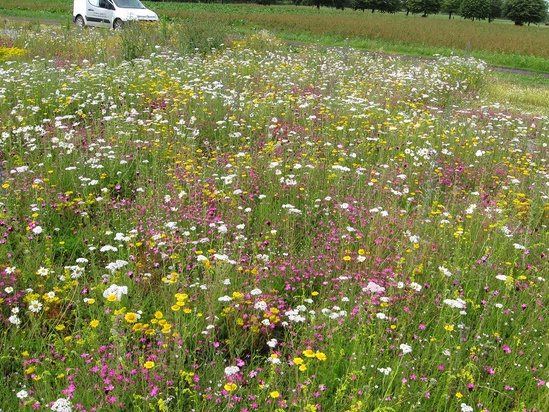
(250, 226)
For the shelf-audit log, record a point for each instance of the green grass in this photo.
(498, 43)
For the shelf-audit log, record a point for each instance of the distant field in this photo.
(499, 43)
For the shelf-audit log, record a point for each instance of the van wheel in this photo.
(118, 24)
(79, 21)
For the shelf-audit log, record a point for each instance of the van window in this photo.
(94, 2)
(129, 4)
(105, 4)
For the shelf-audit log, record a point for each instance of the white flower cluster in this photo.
(62, 405)
(115, 290)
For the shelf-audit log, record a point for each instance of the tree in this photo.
(495, 7)
(385, 6)
(525, 11)
(451, 7)
(475, 9)
(425, 7)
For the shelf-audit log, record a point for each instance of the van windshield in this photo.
(129, 4)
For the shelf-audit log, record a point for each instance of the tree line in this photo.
(519, 11)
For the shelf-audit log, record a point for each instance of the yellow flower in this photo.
(158, 315)
(346, 258)
(130, 317)
(175, 308)
(148, 365)
(302, 368)
(275, 394)
(449, 328)
(60, 327)
(229, 387)
(111, 298)
(297, 361)
(94, 323)
(309, 353)
(459, 395)
(320, 356)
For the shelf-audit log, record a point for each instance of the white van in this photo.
(110, 13)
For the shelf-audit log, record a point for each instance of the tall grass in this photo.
(252, 226)
(497, 43)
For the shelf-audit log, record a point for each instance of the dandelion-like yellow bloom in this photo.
(297, 361)
(111, 298)
(130, 317)
(94, 323)
(158, 315)
(320, 356)
(274, 394)
(230, 387)
(148, 365)
(309, 353)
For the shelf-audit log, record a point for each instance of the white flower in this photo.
(274, 361)
(466, 408)
(42, 271)
(414, 238)
(114, 266)
(35, 306)
(62, 405)
(261, 305)
(256, 292)
(22, 394)
(501, 277)
(115, 290)
(445, 271)
(14, 320)
(385, 371)
(225, 298)
(231, 370)
(405, 348)
(455, 303)
(373, 288)
(37, 230)
(415, 286)
(381, 315)
(9, 289)
(272, 343)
